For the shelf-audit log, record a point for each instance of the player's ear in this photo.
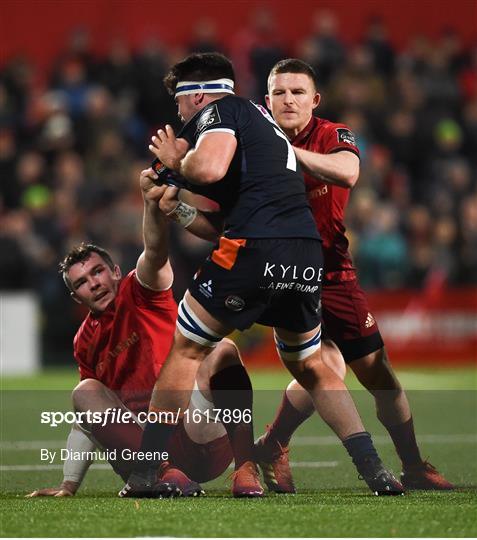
(316, 100)
(267, 101)
(198, 98)
(117, 272)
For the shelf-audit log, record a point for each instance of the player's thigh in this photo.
(200, 461)
(332, 357)
(225, 355)
(200, 446)
(375, 372)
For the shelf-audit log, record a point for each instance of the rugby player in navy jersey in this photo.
(266, 267)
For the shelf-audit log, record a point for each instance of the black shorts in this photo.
(274, 282)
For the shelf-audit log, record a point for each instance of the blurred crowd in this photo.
(72, 147)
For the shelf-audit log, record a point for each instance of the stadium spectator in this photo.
(34, 118)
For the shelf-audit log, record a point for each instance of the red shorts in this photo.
(348, 321)
(200, 462)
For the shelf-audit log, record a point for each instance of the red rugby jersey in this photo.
(328, 202)
(125, 346)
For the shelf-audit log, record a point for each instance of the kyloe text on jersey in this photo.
(292, 272)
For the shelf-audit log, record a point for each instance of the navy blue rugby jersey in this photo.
(263, 193)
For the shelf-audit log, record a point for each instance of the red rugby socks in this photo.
(286, 422)
(404, 439)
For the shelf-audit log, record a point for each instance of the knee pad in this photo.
(191, 327)
(297, 352)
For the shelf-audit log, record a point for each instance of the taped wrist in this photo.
(183, 214)
(75, 469)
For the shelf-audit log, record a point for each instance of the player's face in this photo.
(94, 284)
(186, 107)
(291, 99)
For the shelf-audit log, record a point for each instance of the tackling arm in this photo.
(181, 208)
(153, 267)
(340, 168)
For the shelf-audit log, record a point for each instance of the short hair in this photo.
(199, 67)
(81, 253)
(293, 65)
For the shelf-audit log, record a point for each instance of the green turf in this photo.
(332, 501)
(461, 378)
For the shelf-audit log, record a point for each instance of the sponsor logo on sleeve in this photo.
(208, 118)
(346, 136)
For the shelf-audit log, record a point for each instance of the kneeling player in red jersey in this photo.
(330, 159)
(121, 347)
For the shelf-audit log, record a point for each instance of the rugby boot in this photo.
(246, 481)
(272, 459)
(144, 484)
(380, 481)
(172, 475)
(424, 476)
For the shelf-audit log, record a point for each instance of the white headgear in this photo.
(219, 86)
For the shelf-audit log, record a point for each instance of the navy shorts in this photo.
(274, 282)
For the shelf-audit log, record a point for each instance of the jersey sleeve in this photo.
(339, 137)
(148, 298)
(218, 117)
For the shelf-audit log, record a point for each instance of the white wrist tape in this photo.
(75, 469)
(183, 214)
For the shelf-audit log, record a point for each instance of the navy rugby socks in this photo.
(360, 447)
(155, 438)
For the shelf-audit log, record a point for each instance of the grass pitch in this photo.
(331, 502)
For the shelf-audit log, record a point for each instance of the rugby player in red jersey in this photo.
(329, 155)
(121, 347)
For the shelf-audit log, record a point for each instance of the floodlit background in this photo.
(81, 93)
